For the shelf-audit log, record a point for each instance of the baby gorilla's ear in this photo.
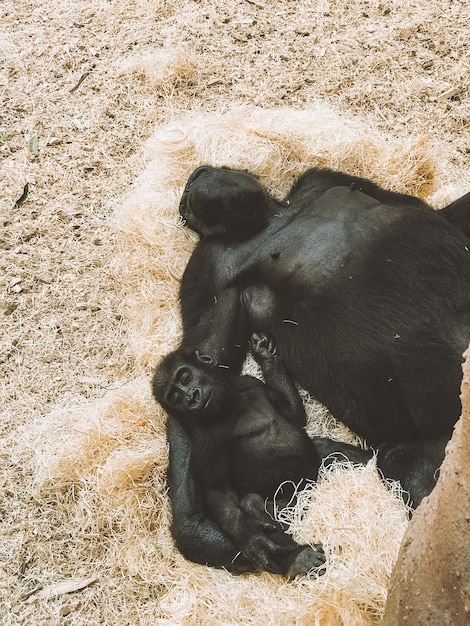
(205, 358)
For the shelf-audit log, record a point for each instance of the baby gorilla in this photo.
(247, 438)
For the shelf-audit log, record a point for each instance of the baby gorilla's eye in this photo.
(185, 378)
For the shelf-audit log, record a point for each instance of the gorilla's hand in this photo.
(265, 553)
(262, 347)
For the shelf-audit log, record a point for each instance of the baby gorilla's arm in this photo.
(278, 379)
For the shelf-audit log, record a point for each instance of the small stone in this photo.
(44, 277)
(449, 93)
(7, 308)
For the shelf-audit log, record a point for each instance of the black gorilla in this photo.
(367, 293)
(247, 438)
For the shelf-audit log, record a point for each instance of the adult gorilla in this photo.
(367, 293)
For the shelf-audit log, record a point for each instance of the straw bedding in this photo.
(104, 463)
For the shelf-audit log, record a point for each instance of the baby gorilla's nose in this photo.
(194, 398)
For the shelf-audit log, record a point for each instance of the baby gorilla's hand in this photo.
(262, 347)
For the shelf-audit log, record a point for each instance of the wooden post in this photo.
(430, 582)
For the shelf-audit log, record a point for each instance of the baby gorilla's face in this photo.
(194, 393)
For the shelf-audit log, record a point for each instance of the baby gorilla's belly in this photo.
(260, 465)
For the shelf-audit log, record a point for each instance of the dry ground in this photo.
(83, 85)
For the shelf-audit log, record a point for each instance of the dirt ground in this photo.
(83, 85)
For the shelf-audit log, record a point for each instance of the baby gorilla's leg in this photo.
(293, 559)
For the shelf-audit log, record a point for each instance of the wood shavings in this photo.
(64, 586)
(447, 94)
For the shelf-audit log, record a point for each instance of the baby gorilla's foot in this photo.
(262, 347)
(308, 559)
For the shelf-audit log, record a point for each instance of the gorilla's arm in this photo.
(278, 380)
(330, 451)
(197, 537)
(214, 323)
(198, 286)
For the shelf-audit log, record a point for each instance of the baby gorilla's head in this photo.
(190, 387)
